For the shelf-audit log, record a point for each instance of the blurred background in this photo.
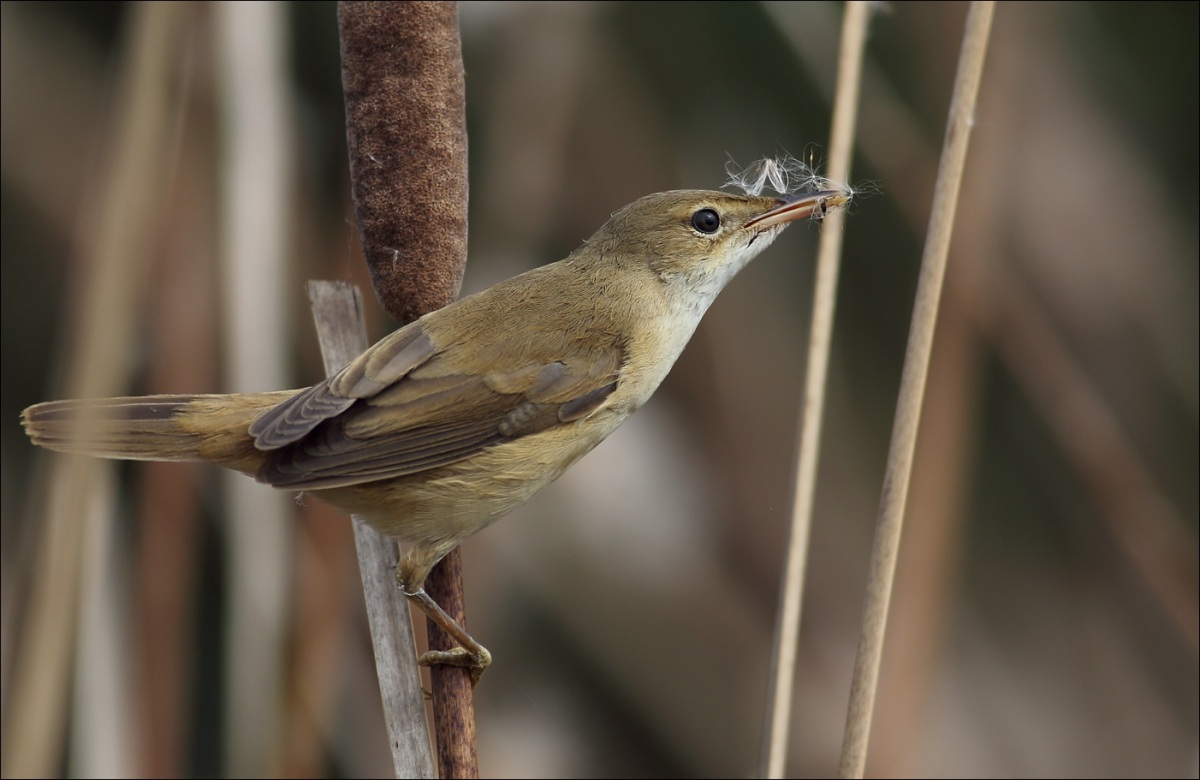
(1045, 617)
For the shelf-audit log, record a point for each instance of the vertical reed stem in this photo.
(912, 388)
(845, 111)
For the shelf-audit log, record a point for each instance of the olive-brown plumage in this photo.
(450, 422)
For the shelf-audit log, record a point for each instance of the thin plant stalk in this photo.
(338, 314)
(845, 112)
(254, 201)
(112, 272)
(912, 388)
(101, 733)
(165, 570)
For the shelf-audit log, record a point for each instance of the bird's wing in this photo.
(406, 406)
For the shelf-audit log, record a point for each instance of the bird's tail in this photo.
(155, 427)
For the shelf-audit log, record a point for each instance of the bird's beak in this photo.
(799, 206)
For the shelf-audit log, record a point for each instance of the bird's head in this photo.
(700, 239)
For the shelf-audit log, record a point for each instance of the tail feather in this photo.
(155, 427)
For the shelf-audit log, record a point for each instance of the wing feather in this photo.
(406, 406)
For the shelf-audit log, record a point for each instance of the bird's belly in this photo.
(446, 505)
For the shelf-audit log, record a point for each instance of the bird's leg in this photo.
(410, 576)
(470, 654)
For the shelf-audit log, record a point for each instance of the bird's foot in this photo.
(477, 662)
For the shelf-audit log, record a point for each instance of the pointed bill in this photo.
(799, 206)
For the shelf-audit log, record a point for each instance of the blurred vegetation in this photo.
(629, 608)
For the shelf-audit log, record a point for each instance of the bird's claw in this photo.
(477, 663)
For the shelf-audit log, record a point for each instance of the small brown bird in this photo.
(452, 421)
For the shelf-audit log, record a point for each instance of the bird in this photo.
(457, 418)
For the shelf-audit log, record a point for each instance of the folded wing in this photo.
(406, 406)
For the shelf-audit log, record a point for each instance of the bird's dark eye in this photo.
(706, 221)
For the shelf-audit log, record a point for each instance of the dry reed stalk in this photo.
(170, 498)
(112, 274)
(932, 551)
(255, 204)
(912, 387)
(337, 311)
(783, 672)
